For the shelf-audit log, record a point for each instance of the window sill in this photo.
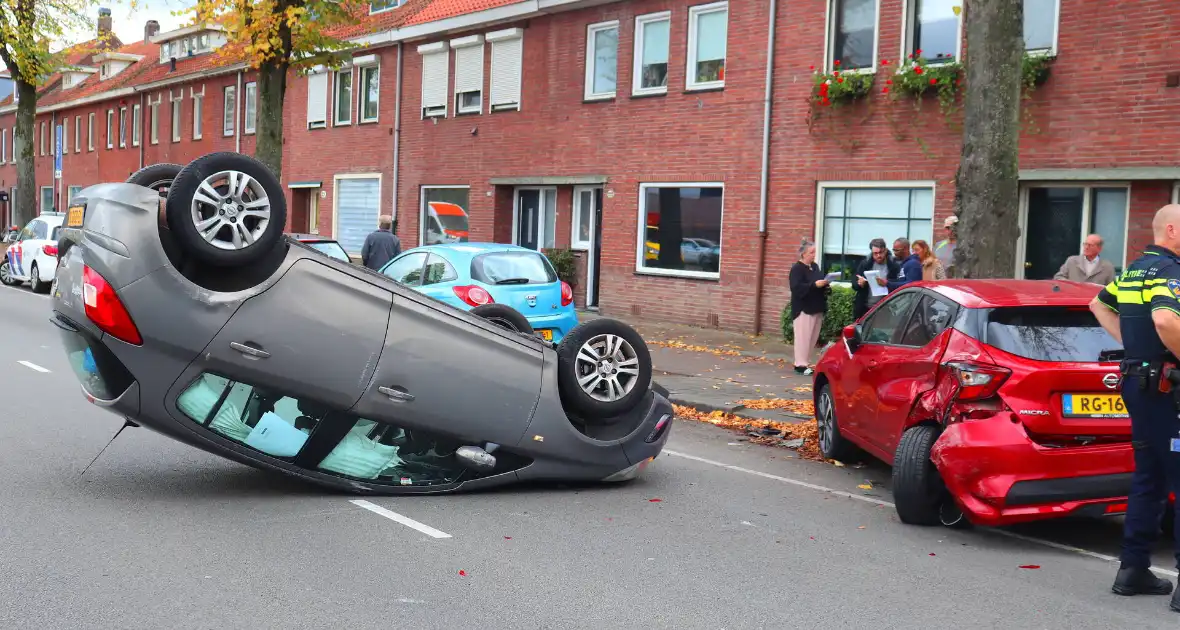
(680, 275)
(367, 122)
(470, 112)
(649, 95)
(704, 90)
(504, 107)
(601, 98)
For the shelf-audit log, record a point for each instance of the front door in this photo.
(589, 204)
(1054, 230)
(527, 211)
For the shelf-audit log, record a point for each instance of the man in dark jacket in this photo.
(381, 246)
(887, 268)
(911, 266)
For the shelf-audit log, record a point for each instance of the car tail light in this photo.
(567, 294)
(474, 295)
(978, 381)
(50, 250)
(1116, 508)
(104, 308)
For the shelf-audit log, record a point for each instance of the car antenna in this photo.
(125, 425)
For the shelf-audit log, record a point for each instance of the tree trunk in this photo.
(272, 88)
(987, 190)
(25, 204)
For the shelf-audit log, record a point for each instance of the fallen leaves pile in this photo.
(803, 408)
(680, 345)
(807, 431)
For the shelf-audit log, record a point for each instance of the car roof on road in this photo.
(1004, 293)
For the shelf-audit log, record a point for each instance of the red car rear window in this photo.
(1049, 333)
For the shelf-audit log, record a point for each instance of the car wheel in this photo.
(226, 210)
(832, 444)
(35, 282)
(158, 177)
(6, 273)
(504, 316)
(603, 369)
(918, 491)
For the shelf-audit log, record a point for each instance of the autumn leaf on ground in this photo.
(865, 486)
(806, 430)
(798, 407)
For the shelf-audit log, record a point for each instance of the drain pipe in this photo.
(397, 127)
(762, 201)
(143, 137)
(240, 113)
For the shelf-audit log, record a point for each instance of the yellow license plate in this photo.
(75, 216)
(1093, 406)
(546, 334)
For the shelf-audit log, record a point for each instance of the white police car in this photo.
(32, 257)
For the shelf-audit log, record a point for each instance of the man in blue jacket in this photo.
(911, 266)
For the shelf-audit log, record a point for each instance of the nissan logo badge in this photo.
(1111, 381)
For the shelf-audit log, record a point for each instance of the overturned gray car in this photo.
(185, 309)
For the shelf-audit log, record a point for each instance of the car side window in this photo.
(28, 231)
(439, 270)
(888, 318)
(40, 230)
(406, 270)
(929, 320)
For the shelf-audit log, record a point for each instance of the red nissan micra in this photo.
(995, 401)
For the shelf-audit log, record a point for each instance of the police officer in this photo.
(1142, 310)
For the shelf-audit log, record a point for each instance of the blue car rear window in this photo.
(512, 268)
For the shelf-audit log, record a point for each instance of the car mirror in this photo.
(851, 334)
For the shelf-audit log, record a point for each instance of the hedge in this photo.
(838, 316)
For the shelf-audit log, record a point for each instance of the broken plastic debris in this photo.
(510, 538)
(861, 527)
(795, 443)
(865, 486)
(932, 554)
(1030, 566)
(837, 463)
(655, 500)
(462, 572)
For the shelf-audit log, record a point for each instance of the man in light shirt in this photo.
(944, 250)
(1088, 266)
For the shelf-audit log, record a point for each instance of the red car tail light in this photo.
(104, 308)
(474, 295)
(978, 381)
(50, 250)
(567, 294)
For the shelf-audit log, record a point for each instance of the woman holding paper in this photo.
(809, 302)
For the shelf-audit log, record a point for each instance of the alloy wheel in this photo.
(825, 421)
(230, 210)
(5, 273)
(607, 367)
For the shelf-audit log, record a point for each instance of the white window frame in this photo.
(909, 19)
(336, 109)
(41, 198)
(78, 133)
(110, 129)
(422, 207)
(395, 4)
(250, 108)
(154, 105)
(472, 44)
(540, 215)
(822, 187)
(229, 110)
(1087, 207)
(641, 22)
(1176, 192)
(198, 112)
(336, 195)
(365, 65)
(500, 37)
(1052, 50)
(42, 138)
(641, 229)
(576, 211)
(177, 102)
(317, 74)
(122, 127)
(136, 124)
(3, 146)
(434, 110)
(829, 39)
(591, 63)
(694, 13)
(90, 134)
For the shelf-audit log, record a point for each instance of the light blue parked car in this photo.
(467, 275)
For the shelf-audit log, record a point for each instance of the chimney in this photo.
(104, 23)
(150, 29)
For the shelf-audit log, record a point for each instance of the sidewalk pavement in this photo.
(713, 370)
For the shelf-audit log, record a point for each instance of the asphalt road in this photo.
(156, 535)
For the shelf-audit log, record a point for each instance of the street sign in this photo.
(57, 154)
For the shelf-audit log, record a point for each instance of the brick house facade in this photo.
(538, 146)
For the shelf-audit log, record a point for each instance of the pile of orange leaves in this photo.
(789, 430)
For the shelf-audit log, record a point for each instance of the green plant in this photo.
(839, 315)
(1034, 71)
(917, 76)
(565, 263)
(839, 87)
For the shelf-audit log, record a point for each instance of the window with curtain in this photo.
(651, 53)
(707, 37)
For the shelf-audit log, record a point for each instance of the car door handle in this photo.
(396, 395)
(250, 351)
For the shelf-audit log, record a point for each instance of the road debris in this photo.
(787, 436)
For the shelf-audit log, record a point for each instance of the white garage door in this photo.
(359, 204)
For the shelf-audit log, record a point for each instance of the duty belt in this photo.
(1158, 374)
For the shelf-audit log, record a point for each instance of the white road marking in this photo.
(33, 366)
(394, 516)
(27, 291)
(989, 530)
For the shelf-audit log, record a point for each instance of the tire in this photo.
(158, 177)
(574, 363)
(6, 274)
(504, 316)
(35, 282)
(226, 248)
(832, 444)
(918, 491)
